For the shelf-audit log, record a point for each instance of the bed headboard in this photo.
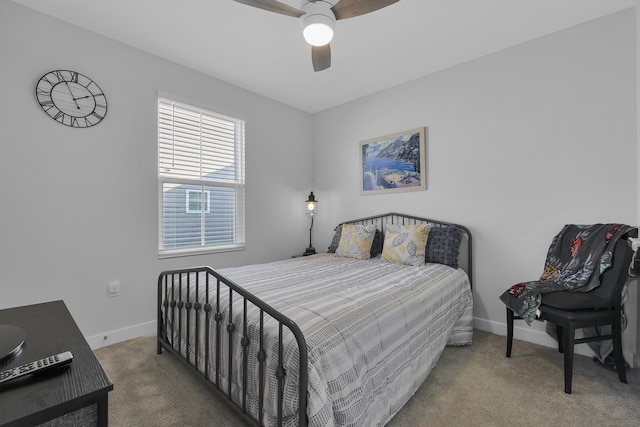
(465, 256)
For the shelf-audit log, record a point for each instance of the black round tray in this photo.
(11, 341)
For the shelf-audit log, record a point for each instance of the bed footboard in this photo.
(203, 319)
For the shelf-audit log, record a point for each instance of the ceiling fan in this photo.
(318, 18)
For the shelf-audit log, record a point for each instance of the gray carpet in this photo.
(470, 386)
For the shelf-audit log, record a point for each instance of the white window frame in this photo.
(167, 176)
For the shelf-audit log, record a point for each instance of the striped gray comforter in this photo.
(374, 330)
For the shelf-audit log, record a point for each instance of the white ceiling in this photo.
(264, 52)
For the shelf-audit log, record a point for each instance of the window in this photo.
(200, 180)
(195, 201)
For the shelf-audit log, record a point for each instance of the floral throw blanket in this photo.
(577, 256)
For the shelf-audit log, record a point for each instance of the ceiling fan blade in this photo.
(321, 57)
(273, 6)
(350, 8)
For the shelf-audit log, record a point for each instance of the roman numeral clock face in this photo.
(71, 98)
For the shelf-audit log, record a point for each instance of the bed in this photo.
(328, 339)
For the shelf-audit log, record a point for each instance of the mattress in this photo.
(374, 330)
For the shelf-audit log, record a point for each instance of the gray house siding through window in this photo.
(183, 224)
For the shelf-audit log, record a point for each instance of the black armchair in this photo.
(576, 310)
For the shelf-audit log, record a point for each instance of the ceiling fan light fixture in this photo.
(318, 34)
(318, 23)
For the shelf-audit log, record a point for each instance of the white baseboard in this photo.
(535, 336)
(631, 358)
(141, 330)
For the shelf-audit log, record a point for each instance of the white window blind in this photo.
(201, 180)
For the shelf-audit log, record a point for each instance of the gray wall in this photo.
(520, 142)
(80, 206)
(634, 294)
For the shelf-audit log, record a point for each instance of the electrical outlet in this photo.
(114, 288)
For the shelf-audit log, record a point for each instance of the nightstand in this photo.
(76, 394)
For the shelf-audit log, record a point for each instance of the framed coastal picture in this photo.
(393, 163)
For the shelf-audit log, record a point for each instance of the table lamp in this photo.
(311, 210)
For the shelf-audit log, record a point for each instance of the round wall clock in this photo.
(71, 98)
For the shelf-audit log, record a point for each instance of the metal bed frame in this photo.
(188, 282)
